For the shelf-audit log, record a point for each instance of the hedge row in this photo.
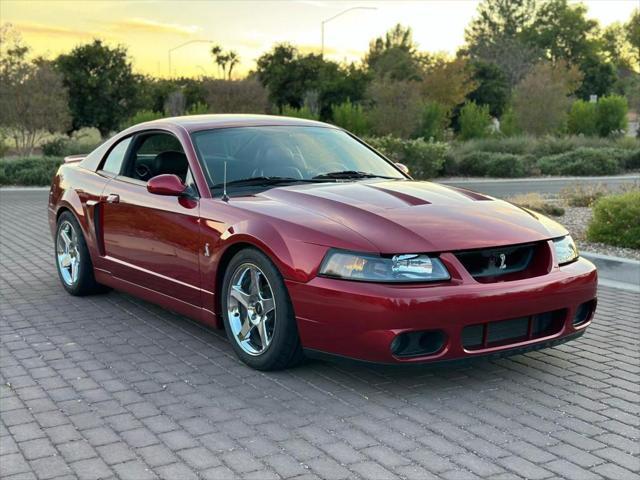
(28, 171)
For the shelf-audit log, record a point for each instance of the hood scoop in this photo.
(409, 200)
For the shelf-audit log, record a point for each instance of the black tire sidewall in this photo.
(285, 337)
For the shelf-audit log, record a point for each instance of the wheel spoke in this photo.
(66, 239)
(245, 330)
(74, 270)
(262, 332)
(65, 260)
(267, 305)
(242, 298)
(255, 282)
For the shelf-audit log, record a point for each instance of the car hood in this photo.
(414, 216)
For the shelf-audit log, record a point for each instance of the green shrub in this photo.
(509, 123)
(56, 147)
(433, 122)
(28, 171)
(582, 118)
(303, 112)
(474, 121)
(141, 117)
(611, 115)
(632, 161)
(424, 159)
(582, 161)
(616, 220)
(198, 108)
(351, 117)
(490, 164)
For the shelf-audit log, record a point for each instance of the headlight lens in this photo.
(566, 250)
(372, 268)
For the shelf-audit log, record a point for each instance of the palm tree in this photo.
(233, 59)
(216, 53)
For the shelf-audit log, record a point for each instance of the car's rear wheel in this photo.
(258, 315)
(72, 258)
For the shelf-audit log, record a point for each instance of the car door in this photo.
(152, 240)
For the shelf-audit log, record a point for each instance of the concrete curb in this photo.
(616, 271)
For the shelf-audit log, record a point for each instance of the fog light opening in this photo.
(418, 344)
(584, 313)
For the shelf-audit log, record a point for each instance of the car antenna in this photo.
(225, 197)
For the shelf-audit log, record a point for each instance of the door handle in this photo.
(113, 198)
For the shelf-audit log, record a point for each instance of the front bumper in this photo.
(361, 320)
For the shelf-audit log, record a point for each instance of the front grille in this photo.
(506, 263)
(491, 334)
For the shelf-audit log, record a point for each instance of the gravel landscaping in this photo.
(576, 219)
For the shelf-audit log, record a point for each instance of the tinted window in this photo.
(113, 163)
(284, 151)
(156, 154)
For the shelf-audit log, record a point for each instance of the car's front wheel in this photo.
(72, 258)
(258, 315)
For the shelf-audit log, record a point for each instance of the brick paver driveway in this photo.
(110, 386)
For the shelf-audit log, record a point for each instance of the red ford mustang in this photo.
(298, 238)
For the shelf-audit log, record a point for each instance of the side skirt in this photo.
(199, 314)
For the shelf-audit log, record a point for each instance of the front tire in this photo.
(73, 262)
(257, 313)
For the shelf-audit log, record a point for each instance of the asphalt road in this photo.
(109, 386)
(548, 186)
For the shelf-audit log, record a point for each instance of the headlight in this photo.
(373, 268)
(566, 250)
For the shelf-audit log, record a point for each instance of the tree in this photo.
(632, 29)
(396, 107)
(290, 77)
(492, 87)
(447, 82)
(394, 55)
(236, 96)
(598, 77)
(103, 91)
(222, 59)
(496, 21)
(33, 100)
(541, 100)
(563, 31)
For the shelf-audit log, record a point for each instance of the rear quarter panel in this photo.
(77, 190)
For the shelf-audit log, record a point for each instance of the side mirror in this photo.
(166, 184)
(402, 167)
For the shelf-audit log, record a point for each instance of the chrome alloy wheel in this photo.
(251, 309)
(67, 253)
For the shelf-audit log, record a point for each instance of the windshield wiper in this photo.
(347, 174)
(260, 181)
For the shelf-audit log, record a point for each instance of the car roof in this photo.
(194, 123)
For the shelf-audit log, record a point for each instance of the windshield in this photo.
(286, 152)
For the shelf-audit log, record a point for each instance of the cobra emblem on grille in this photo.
(499, 261)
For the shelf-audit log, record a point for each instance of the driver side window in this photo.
(156, 154)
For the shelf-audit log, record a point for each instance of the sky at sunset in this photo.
(150, 28)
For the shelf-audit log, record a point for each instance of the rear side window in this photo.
(113, 163)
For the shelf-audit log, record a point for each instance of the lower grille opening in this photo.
(584, 312)
(414, 344)
(492, 334)
(503, 264)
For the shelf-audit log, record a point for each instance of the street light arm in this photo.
(184, 45)
(346, 11)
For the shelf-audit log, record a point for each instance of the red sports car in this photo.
(297, 238)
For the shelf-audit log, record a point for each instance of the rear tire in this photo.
(257, 313)
(73, 261)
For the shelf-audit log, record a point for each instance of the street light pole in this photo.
(184, 45)
(327, 20)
